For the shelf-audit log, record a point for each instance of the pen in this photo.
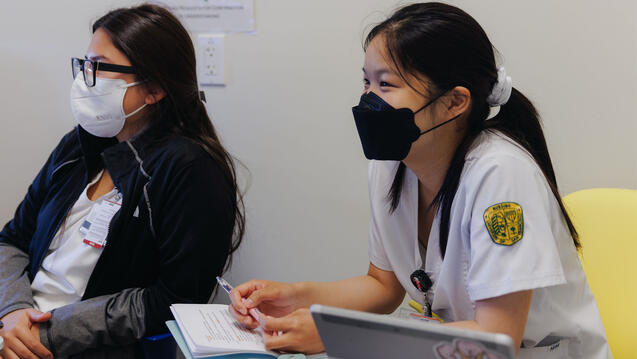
(254, 312)
(417, 306)
(420, 309)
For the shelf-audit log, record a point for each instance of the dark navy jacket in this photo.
(165, 245)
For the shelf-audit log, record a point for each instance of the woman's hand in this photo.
(298, 333)
(21, 333)
(274, 299)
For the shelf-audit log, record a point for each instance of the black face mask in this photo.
(387, 133)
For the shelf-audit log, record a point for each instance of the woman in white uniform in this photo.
(466, 214)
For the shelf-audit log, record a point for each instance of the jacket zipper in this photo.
(66, 212)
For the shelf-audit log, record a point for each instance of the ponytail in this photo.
(519, 120)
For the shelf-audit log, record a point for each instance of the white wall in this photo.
(285, 111)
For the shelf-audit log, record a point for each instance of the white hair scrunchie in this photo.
(501, 89)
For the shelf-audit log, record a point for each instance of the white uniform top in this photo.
(69, 262)
(542, 256)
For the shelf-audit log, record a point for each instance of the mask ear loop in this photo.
(136, 111)
(132, 84)
(142, 106)
(430, 102)
(440, 124)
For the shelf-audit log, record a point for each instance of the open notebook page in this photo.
(209, 328)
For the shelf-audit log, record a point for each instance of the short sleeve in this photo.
(377, 181)
(512, 242)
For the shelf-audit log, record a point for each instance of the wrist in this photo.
(303, 294)
(14, 308)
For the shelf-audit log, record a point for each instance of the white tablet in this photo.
(350, 334)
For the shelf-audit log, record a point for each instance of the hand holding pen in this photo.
(246, 311)
(272, 298)
(287, 326)
(252, 313)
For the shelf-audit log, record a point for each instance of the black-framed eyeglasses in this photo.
(89, 69)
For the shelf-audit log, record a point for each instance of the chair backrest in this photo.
(606, 220)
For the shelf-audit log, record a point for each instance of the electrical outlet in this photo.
(210, 60)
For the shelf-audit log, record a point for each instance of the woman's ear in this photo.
(458, 101)
(154, 95)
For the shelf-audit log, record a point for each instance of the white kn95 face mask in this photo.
(100, 109)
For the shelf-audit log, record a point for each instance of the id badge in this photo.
(95, 228)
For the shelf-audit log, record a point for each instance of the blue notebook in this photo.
(174, 330)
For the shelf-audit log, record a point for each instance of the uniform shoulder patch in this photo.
(505, 223)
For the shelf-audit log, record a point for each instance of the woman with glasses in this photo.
(136, 208)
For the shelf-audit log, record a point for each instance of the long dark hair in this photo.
(161, 51)
(450, 48)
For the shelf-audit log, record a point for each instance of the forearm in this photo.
(15, 286)
(364, 293)
(474, 325)
(110, 320)
(506, 314)
(466, 324)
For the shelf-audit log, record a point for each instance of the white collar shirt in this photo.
(475, 267)
(69, 262)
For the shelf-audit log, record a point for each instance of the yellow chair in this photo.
(606, 220)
